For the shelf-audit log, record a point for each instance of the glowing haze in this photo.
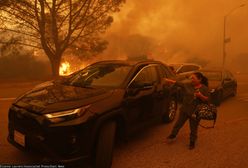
(179, 29)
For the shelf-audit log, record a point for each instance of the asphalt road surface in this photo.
(225, 146)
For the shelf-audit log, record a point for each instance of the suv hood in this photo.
(51, 97)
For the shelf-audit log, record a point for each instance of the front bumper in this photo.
(63, 144)
(48, 156)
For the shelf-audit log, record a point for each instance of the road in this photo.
(225, 146)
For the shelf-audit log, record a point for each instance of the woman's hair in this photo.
(204, 79)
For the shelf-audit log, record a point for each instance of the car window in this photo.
(165, 72)
(176, 66)
(194, 67)
(103, 75)
(146, 75)
(213, 75)
(184, 68)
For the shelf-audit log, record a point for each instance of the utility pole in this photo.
(227, 40)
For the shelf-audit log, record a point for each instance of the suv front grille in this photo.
(23, 121)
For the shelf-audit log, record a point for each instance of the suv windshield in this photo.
(100, 75)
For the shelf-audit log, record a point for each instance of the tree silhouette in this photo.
(55, 25)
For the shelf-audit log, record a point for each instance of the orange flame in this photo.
(67, 68)
(64, 69)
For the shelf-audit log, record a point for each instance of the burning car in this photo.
(78, 117)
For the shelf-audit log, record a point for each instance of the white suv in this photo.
(184, 69)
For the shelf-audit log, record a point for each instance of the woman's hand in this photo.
(198, 94)
(171, 81)
(201, 96)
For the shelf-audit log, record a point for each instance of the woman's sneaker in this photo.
(171, 138)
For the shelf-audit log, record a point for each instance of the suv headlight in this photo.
(66, 115)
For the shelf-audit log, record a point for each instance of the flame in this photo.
(65, 69)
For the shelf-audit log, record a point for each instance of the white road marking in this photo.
(6, 99)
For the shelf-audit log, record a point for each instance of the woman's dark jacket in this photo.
(189, 101)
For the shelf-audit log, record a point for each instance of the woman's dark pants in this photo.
(193, 123)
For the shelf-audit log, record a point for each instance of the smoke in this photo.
(179, 30)
(23, 66)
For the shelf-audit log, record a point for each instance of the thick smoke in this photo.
(179, 30)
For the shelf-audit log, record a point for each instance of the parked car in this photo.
(184, 69)
(78, 117)
(222, 84)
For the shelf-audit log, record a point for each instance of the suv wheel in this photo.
(105, 145)
(219, 98)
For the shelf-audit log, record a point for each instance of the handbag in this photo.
(206, 112)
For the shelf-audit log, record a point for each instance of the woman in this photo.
(195, 92)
